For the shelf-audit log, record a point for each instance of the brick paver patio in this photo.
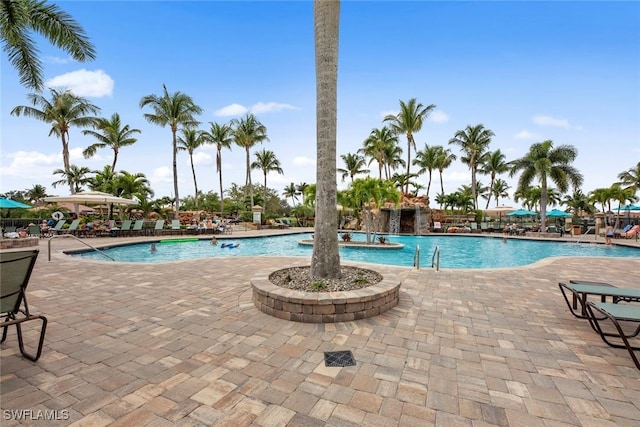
(182, 344)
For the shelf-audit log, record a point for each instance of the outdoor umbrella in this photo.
(12, 204)
(628, 208)
(556, 213)
(521, 212)
(91, 197)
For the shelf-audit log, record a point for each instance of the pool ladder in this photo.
(435, 258)
(79, 240)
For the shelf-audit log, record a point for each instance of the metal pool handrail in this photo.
(79, 240)
(435, 259)
(416, 258)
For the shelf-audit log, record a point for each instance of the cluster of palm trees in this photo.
(64, 110)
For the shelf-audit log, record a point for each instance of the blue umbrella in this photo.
(556, 213)
(12, 204)
(521, 212)
(628, 208)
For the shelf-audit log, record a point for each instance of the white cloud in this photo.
(94, 84)
(439, 117)
(270, 107)
(304, 161)
(56, 60)
(257, 108)
(202, 159)
(548, 121)
(525, 134)
(31, 164)
(231, 110)
(162, 174)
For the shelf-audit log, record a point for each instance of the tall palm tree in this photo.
(474, 142)
(103, 180)
(75, 177)
(291, 192)
(427, 160)
(325, 260)
(578, 203)
(110, 133)
(36, 193)
(129, 184)
(63, 111)
(302, 190)
(631, 178)
(20, 18)
(493, 163)
(247, 132)
(373, 193)
(499, 189)
(604, 196)
(266, 161)
(445, 158)
(190, 141)
(354, 165)
(545, 163)
(409, 121)
(175, 110)
(377, 145)
(222, 136)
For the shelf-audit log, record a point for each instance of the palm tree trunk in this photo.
(175, 174)
(409, 138)
(115, 159)
(264, 196)
(219, 166)
(195, 183)
(325, 261)
(248, 181)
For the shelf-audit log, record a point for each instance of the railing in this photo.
(435, 259)
(79, 240)
(416, 258)
(584, 234)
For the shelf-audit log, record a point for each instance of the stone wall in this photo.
(325, 307)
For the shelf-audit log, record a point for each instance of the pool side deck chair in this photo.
(618, 314)
(176, 228)
(58, 227)
(15, 271)
(580, 291)
(157, 229)
(137, 228)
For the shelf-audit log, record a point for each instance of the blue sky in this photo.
(529, 71)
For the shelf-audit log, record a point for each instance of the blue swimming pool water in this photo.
(455, 251)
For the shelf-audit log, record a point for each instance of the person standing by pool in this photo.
(608, 235)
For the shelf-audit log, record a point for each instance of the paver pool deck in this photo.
(181, 343)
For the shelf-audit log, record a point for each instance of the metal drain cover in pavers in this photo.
(339, 358)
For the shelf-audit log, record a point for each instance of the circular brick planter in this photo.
(324, 307)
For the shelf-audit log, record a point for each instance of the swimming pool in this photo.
(455, 251)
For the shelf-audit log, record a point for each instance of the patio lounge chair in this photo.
(137, 227)
(58, 227)
(15, 271)
(629, 234)
(158, 227)
(34, 231)
(176, 228)
(617, 314)
(73, 228)
(580, 292)
(125, 227)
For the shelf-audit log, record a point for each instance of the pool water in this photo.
(455, 251)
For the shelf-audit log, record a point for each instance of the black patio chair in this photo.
(15, 271)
